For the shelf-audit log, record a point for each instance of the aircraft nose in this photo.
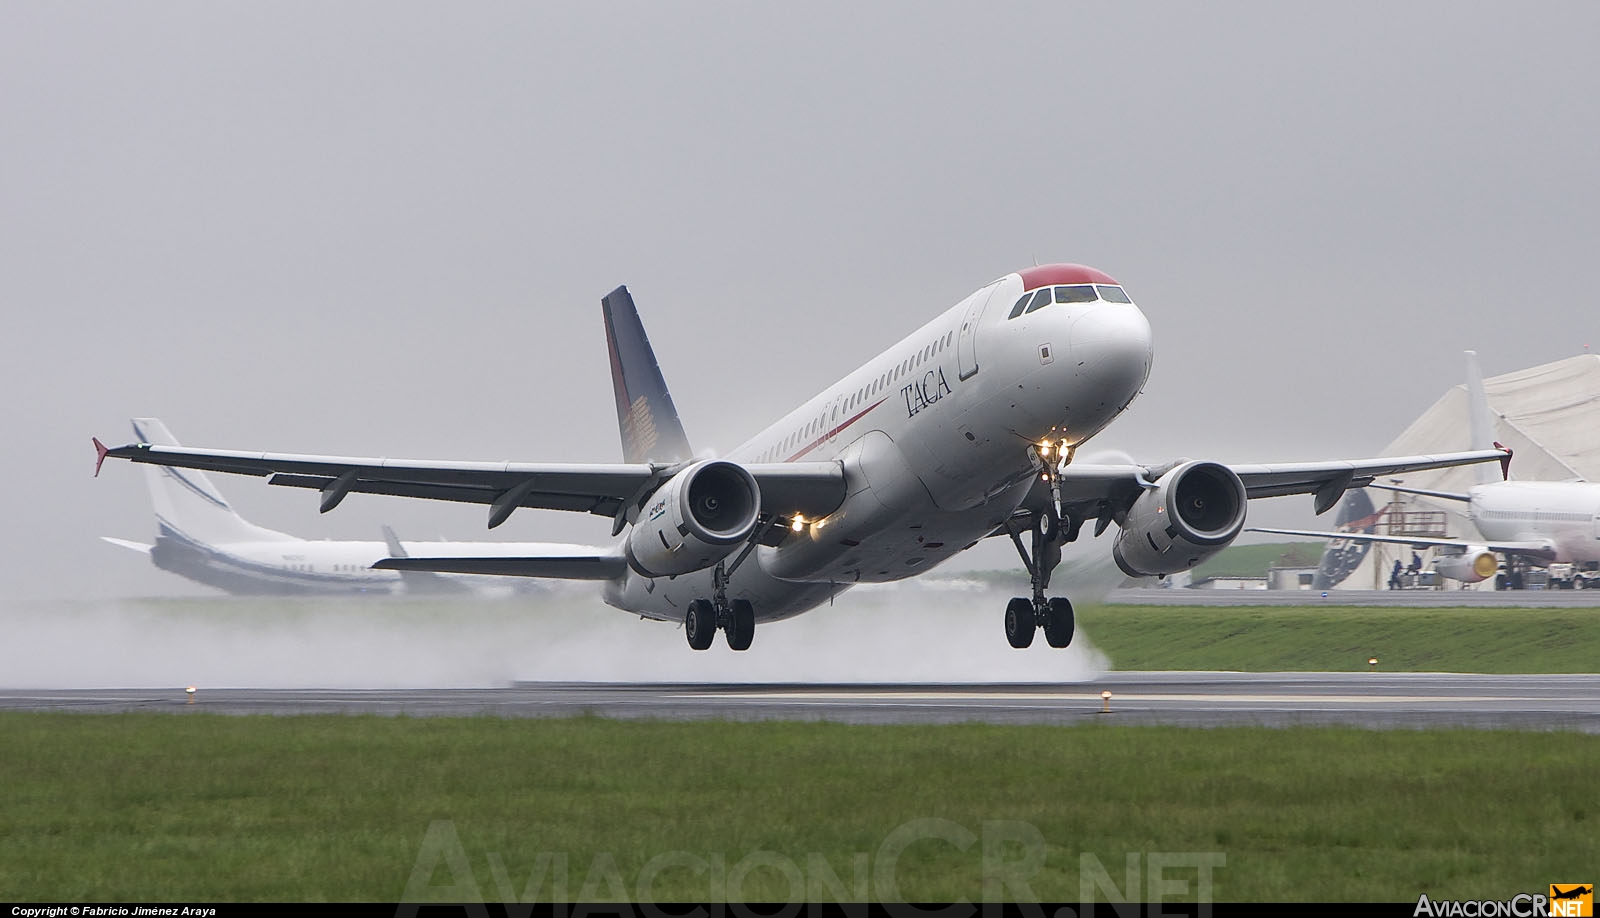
(1111, 345)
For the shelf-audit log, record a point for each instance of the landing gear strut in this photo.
(1050, 531)
(735, 617)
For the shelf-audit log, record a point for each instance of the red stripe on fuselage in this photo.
(835, 432)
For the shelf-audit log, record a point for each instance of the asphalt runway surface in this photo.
(1368, 700)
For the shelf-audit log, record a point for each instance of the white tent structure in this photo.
(1549, 415)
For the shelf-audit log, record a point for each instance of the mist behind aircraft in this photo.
(885, 634)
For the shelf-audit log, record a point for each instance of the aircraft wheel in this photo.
(1046, 526)
(1059, 622)
(1577, 583)
(700, 624)
(1019, 622)
(742, 630)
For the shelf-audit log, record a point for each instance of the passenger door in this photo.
(966, 342)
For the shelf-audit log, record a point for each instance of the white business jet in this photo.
(963, 430)
(1538, 522)
(200, 536)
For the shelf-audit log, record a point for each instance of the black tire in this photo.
(1059, 622)
(742, 630)
(700, 624)
(1019, 622)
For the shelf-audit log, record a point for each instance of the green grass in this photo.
(201, 807)
(1343, 638)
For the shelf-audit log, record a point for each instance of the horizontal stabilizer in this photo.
(588, 567)
(133, 546)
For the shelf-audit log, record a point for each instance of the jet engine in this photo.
(1193, 512)
(694, 520)
(1474, 565)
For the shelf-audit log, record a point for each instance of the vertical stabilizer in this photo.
(188, 506)
(1480, 423)
(645, 413)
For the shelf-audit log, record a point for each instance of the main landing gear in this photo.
(735, 617)
(1050, 531)
(702, 620)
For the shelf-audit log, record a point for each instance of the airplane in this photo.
(963, 430)
(1576, 892)
(1536, 522)
(201, 537)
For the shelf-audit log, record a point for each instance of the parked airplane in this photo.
(963, 430)
(1537, 522)
(201, 537)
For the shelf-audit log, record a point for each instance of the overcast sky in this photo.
(385, 228)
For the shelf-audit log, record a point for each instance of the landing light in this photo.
(799, 523)
(1044, 447)
(190, 691)
(1105, 702)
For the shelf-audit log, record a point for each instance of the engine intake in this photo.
(1193, 512)
(694, 520)
(1474, 565)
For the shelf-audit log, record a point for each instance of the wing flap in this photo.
(1280, 478)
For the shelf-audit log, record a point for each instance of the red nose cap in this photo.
(1047, 275)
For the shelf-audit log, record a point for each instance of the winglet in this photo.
(100, 455)
(1505, 461)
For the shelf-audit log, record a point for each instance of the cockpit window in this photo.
(1040, 299)
(1113, 294)
(1078, 293)
(1021, 304)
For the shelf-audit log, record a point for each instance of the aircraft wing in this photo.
(1090, 491)
(814, 489)
(1542, 550)
(598, 566)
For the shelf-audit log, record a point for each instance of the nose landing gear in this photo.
(1051, 529)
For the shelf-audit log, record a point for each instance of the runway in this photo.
(1368, 700)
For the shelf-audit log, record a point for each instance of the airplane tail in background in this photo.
(188, 506)
(645, 413)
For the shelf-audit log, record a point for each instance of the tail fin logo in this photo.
(639, 428)
(646, 417)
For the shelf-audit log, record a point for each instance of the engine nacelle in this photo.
(1474, 565)
(1193, 512)
(694, 520)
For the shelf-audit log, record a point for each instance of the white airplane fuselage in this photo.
(934, 436)
(1564, 513)
(288, 565)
